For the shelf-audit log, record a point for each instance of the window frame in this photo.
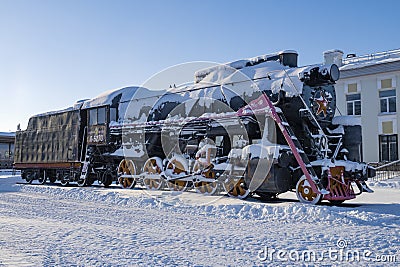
(94, 118)
(386, 100)
(386, 147)
(353, 103)
(351, 82)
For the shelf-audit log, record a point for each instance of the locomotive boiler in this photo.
(260, 126)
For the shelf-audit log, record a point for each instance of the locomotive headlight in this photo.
(334, 73)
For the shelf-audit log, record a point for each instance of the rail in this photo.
(375, 56)
(386, 171)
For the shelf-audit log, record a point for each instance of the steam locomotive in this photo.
(260, 126)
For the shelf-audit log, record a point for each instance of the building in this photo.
(6, 150)
(367, 90)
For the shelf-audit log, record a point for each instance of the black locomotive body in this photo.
(240, 127)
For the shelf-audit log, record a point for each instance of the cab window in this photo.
(113, 114)
(101, 115)
(93, 117)
(97, 116)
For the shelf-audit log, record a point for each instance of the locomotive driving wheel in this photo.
(126, 167)
(236, 188)
(153, 166)
(305, 194)
(177, 167)
(205, 187)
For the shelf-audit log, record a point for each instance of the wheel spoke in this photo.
(235, 188)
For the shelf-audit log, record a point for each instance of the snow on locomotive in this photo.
(257, 126)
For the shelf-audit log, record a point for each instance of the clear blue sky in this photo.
(56, 52)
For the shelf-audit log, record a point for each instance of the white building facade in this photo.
(367, 90)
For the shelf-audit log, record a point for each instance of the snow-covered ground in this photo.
(71, 226)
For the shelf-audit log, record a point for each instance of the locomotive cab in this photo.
(98, 119)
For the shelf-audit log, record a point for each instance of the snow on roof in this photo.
(121, 95)
(107, 98)
(332, 51)
(346, 120)
(7, 134)
(239, 64)
(370, 59)
(75, 107)
(265, 75)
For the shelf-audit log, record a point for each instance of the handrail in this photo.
(387, 171)
(373, 56)
(386, 165)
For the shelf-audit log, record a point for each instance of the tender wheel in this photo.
(177, 166)
(126, 167)
(90, 179)
(305, 194)
(29, 179)
(81, 182)
(205, 187)
(42, 179)
(153, 166)
(64, 182)
(107, 179)
(236, 188)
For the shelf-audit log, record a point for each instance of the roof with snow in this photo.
(7, 137)
(265, 72)
(370, 64)
(126, 94)
(346, 120)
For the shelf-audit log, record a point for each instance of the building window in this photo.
(352, 88)
(353, 104)
(386, 83)
(388, 100)
(388, 147)
(387, 127)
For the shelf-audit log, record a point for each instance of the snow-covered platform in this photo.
(52, 225)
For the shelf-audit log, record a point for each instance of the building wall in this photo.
(369, 111)
(371, 116)
(6, 152)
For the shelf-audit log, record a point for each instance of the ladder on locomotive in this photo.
(296, 148)
(85, 168)
(86, 159)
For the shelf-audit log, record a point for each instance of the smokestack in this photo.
(288, 58)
